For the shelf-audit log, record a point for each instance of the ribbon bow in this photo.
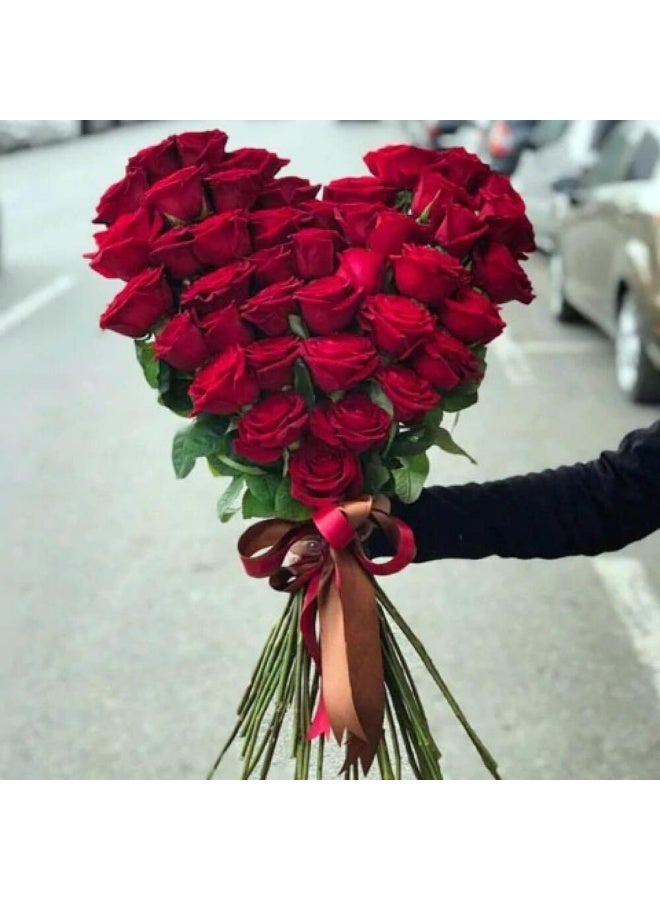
(325, 556)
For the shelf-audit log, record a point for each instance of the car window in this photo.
(644, 159)
(602, 129)
(614, 161)
(549, 130)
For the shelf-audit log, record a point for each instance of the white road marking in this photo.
(633, 598)
(513, 359)
(34, 302)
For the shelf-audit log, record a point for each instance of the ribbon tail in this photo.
(320, 724)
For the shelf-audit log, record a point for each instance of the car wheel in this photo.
(560, 307)
(635, 373)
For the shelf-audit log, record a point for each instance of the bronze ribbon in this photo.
(327, 559)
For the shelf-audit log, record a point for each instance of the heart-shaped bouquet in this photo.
(316, 344)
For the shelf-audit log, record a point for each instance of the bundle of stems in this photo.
(283, 686)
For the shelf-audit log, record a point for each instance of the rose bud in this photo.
(181, 344)
(340, 361)
(392, 230)
(462, 168)
(287, 191)
(501, 277)
(270, 426)
(143, 301)
(272, 360)
(224, 327)
(459, 230)
(270, 309)
(224, 385)
(273, 265)
(471, 317)
(315, 250)
(269, 227)
(322, 474)
(197, 147)
(363, 189)
(263, 162)
(216, 289)
(411, 396)
(122, 197)
(158, 161)
(396, 324)
(222, 238)
(353, 423)
(427, 274)
(433, 194)
(445, 362)
(180, 195)
(400, 164)
(234, 189)
(363, 268)
(174, 250)
(319, 214)
(123, 249)
(328, 304)
(357, 220)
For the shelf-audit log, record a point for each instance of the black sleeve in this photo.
(583, 509)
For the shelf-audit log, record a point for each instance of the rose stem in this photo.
(319, 758)
(384, 764)
(395, 741)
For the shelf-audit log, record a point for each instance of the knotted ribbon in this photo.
(329, 562)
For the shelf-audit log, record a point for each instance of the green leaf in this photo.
(455, 403)
(286, 507)
(182, 461)
(298, 327)
(403, 200)
(445, 441)
(302, 383)
(218, 468)
(150, 365)
(254, 508)
(376, 475)
(228, 502)
(378, 396)
(201, 438)
(164, 377)
(409, 479)
(263, 488)
(239, 466)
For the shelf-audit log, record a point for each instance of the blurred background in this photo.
(128, 627)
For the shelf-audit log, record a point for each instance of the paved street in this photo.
(128, 627)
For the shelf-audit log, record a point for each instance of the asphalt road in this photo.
(128, 627)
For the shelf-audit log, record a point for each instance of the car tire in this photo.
(560, 306)
(636, 375)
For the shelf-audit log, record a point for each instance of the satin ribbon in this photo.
(329, 562)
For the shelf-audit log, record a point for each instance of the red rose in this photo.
(122, 197)
(322, 474)
(224, 385)
(175, 251)
(263, 162)
(273, 264)
(143, 301)
(287, 191)
(269, 227)
(459, 230)
(392, 230)
(445, 362)
(222, 238)
(216, 289)
(503, 210)
(363, 189)
(400, 164)
(501, 277)
(353, 423)
(234, 189)
(411, 396)
(461, 167)
(224, 327)
(396, 324)
(158, 161)
(356, 221)
(197, 147)
(181, 344)
(471, 317)
(315, 251)
(270, 309)
(328, 304)
(319, 214)
(180, 195)
(433, 194)
(340, 361)
(270, 426)
(123, 249)
(363, 268)
(272, 360)
(427, 274)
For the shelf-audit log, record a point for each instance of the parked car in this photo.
(556, 149)
(16, 134)
(505, 141)
(606, 264)
(439, 134)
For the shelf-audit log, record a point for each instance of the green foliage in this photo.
(409, 478)
(228, 504)
(445, 441)
(148, 362)
(302, 383)
(378, 396)
(204, 437)
(376, 474)
(286, 507)
(259, 499)
(298, 327)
